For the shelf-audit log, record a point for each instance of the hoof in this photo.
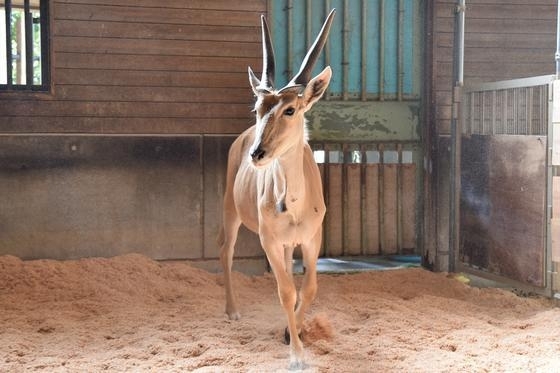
(233, 315)
(287, 336)
(297, 365)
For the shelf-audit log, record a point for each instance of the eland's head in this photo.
(279, 112)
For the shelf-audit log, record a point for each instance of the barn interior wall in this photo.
(503, 40)
(75, 196)
(127, 151)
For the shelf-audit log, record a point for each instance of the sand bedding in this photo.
(130, 313)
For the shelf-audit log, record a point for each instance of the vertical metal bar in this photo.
(543, 110)
(454, 172)
(345, 52)
(201, 194)
(529, 110)
(327, 50)
(460, 41)
(308, 24)
(363, 95)
(540, 111)
(493, 106)
(550, 274)
(471, 114)
(381, 50)
(45, 57)
(482, 104)
(399, 200)
(28, 44)
(344, 182)
(289, 51)
(363, 201)
(505, 113)
(502, 112)
(9, 71)
(326, 189)
(515, 113)
(400, 65)
(557, 54)
(381, 209)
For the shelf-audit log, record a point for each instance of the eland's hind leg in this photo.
(227, 238)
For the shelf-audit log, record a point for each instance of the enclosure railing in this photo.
(513, 107)
(372, 196)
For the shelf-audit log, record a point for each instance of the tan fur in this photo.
(274, 185)
(251, 199)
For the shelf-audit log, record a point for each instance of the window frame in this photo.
(45, 85)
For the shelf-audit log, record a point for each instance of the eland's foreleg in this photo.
(288, 298)
(228, 236)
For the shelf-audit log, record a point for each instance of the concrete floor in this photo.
(360, 264)
(258, 266)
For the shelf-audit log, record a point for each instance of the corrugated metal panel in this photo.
(373, 47)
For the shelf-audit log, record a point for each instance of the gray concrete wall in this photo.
(67, 197)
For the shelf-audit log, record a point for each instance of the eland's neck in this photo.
(290, 179)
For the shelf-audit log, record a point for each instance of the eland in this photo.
(274, 185)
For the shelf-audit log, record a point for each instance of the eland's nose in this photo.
(258, 153)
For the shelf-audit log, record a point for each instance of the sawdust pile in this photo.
(130, 313)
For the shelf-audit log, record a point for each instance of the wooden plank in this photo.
(156, 31)
(514, 26)
(132, 78)
(117, 13)
(124, 109)
(353, 242)
(160, 64)
(501, 40)
(390, 243)
(496, 11)
(555, 233)
(372, 209)
(511, 2)
(247, 5)
(443, 112)
(408, 206)
(497, 70)
(493, 54)
(334, 213)
(323, 251)
(556, 197)
(153, 94)
(108, 125)
(155, 47)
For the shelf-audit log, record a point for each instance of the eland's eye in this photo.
(289, 111)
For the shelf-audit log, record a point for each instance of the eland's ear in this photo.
(316, 87)
(254, 81)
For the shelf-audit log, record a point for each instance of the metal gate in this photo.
(504, 179)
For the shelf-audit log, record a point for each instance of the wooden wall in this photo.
(144, 66)
(169, 75)
(505, 39)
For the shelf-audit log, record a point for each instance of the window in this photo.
(24, 57)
